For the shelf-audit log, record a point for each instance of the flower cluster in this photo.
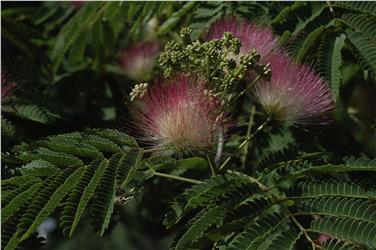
(138, 59)
(139, 91)
(295, 93)
(180, 114)
(217, 60)
(183, 113)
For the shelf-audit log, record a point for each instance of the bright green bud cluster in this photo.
(217, 61)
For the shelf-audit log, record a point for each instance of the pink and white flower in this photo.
(179, 114)
(295, 93)
(138, 59)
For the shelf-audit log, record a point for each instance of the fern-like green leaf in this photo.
(309, 42)
(35, 113)
(17, 202)
(256, 232)
(319, 188)
(116, 136)
(97, 167)
(214, 189)
(366, 48)
(334, 244)
(53, 202)
(128, 165)
(103, 198)
(359, 231)
(304, 169)
(200, 224)
(339, 206)
(71, 146)
(102, 144)
(39, 168)
(201, 194)
(330, 60)
(17, 181)
(46, 199)
(86, 16)
(286, 13)
(286, 240)
(54, 157)
(361, 23)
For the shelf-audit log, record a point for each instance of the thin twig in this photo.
(212, 169)
(250, 85)
(224, 163)
(179, 178)
(301, 228)
(246, 140)
(151, 150)
(249, 128)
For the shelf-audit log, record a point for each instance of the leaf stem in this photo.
(174, 177)
(179, 178)
(259, 184)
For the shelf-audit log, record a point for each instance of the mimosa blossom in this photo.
(179, 114)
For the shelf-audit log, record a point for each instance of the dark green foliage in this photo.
(69, 183)
(357, 231)
(80, 196)
(254, 234)
(334, 244)
(259, 219)
(289, 187)
(330, 59)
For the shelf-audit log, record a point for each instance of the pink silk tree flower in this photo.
(322, 238)
(138, 59)
(250, 35)
(295, 93)
(180, 114)
(7, 86)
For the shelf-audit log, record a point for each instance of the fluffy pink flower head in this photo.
(295, 93)
(180, 115)
(7, 86)
(138, 59)
(250, 35)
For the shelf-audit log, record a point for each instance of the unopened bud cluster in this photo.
(218, 60)
(139, 91)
